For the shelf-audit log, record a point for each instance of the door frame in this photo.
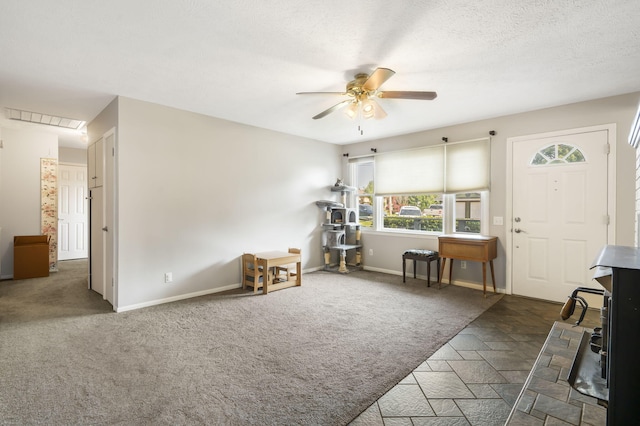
(109, 255)
(611, 187)
(110, 219)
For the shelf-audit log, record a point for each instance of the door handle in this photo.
(105, 229)
(518, 230)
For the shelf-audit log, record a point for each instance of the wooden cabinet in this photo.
(474, 248)
(95, 163)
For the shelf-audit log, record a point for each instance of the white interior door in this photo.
(97, 240)
(72, 212)
(560, 218)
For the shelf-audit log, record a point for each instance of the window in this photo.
(431, 189)
(468, 212)
(412, 212)
(363, 178)
(558, 153)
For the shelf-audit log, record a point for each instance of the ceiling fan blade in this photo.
(426, 96)
(377, 78)
(333, 108)
(321, 93)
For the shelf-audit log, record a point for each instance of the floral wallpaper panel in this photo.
(49, 206)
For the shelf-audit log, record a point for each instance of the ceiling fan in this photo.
(363, 90)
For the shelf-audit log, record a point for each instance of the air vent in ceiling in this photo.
(39, 118)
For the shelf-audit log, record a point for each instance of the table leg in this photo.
(438, 274)
(444, 264)
(493, 276)
(265, 276)
(414, 268)
(484, 278)
(299, 273)
(404, 269)
(428, 272)
(451, 271)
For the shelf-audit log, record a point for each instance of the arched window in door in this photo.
(558, 153)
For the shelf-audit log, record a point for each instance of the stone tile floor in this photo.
(476, 377)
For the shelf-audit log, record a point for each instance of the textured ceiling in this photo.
(244, 60)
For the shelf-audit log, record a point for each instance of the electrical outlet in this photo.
(370, 252)
(168, 277)
(463, 264)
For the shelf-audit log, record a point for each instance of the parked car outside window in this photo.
(409, 211)
(365, 210)
(433, 210)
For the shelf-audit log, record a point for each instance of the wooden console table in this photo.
(473, 248)
(270, 259)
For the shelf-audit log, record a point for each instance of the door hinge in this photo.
(113, 152)
(607, 219)
(607, 148)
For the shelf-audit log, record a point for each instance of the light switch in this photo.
(498, 220)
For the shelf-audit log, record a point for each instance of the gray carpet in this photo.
(312, 355)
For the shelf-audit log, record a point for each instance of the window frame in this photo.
(448, 214)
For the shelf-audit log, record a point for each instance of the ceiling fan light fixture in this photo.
(372, 109)
(352, 110)
(379, 112)
(368, 109)
(363, 89)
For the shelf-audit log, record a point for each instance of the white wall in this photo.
(20, 187)
(620, 110)
(195, 192)
(72, 155)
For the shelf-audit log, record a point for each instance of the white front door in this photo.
(72, 212)
(559, 213)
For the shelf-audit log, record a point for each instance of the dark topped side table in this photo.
(421, 256)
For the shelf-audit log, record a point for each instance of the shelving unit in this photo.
(341, 234)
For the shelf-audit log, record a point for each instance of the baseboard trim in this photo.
(409, 274)
(459, 283)
(176, 298)
(474, 285)
(468, 284)
(190, 295)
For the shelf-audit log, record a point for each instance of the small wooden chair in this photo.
(287, 271)
(252, 274)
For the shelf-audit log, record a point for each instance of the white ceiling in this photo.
(244, 60)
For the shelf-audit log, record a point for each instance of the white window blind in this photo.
(416, 171)
(468, 166)
(451, 168)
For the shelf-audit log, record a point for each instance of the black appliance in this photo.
(607, 365)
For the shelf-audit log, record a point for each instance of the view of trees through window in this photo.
(415, 212)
